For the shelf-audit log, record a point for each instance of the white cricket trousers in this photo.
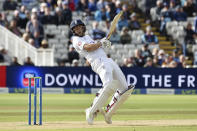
(108, 71)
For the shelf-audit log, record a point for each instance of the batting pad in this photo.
(103, 96)
(118, 100)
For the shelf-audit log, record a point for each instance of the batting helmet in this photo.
(75, 23)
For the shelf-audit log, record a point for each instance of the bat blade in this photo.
(113, 24)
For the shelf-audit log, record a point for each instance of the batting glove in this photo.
(105, 43)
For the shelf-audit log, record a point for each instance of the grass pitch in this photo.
(66, 112)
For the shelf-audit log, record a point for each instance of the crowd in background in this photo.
(175, 10)
(32, 15)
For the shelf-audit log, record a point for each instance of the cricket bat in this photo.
(113, 24)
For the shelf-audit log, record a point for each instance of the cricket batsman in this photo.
(113, 79)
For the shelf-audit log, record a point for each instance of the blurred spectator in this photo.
(179, 15)
(16, 17)
(115, 37)
(134, 6)
(146, 52)
(35, 12)
(148, 5)
(96, 33)
(5, 54)
(129, 62)
(13, 28)
(61, 63)
(29, 23)
(75, 63)
(42, 8)
(82, 5)
(59, 4)
(36, 31)
(125, 37)
(133, 23)
(182, 62)
(125, 62)
(189, 40)
(31, 42)
(109, 13)
(161, 56)
(92, 5)
(175, 55)
(126, 11)
(118, 6)
(113, 6)
(156, 13)
(3, 21)
(149, 37)
(72, 5)
(29, 3)
(22, 11)
(122, 23)
(155, 52)
(72, 54)
(166, 61)
(25, 37)
(173, 64)
(47, 18)
(149, 62)
(14, 62)
(138, 59)
(50, 3)
(172, 7)
(156, 62)
(190, 34)
(166, 16)
(177, 2)
(28, 62)
(58, 18)
(182, 2)
(9, 5)
(189, 7)
(67, 13)
(101, 4)
(22, 17)
(44, 44)
(100, 15)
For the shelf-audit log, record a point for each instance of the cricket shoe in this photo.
(89, 116)
(107, 118)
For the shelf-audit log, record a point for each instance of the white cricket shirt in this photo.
(79, 42)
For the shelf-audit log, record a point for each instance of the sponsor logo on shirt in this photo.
(79, 44)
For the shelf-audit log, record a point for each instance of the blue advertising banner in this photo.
(84, 77)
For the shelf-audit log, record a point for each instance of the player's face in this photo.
(79, 30)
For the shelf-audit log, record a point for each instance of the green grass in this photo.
(70, 107)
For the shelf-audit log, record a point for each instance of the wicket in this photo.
(35, 99)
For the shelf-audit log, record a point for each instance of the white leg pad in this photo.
(103, 96)
(118, 100)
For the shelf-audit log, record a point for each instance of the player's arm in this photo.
(104, 43)
(92, 47)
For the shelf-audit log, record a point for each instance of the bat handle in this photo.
(108, 37)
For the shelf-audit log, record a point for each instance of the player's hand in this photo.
(105, 43)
